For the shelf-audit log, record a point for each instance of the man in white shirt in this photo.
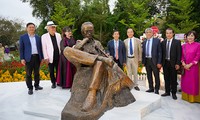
(134, 56)
(117, 50)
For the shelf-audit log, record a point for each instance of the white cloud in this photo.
(15, 9)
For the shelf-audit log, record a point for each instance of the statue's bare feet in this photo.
(89, 101)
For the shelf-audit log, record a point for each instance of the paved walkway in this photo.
(15, 102)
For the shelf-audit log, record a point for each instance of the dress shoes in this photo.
(156, 92)
(38, 88)
(30, 92)
(137, 88)
(150, 90)
(165, 94)
(174, 96)
(53, 86)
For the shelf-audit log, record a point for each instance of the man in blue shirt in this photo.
(152, 58)
(117, 50)
(31, 56)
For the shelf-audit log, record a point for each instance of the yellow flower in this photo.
(1, 80)
(125, 69)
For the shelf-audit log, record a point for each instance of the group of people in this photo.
(152, 53)
(49, 48)
(3, 52)
(127, 53)
(155, 54)
(172, 57)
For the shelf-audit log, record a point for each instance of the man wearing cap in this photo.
(51, 49)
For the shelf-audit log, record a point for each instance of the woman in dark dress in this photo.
(66, 70)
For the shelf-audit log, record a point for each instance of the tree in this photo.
(139, 17)
(120, 12)
(10, 31)
(196, 14)
(158, 10)
(154, 6)
(62, 17)
(137, 14)
(179, 14)
(44, 9)
(41, 8)
(97, 12)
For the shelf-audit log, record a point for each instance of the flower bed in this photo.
(14, 71)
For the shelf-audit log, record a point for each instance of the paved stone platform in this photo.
(48, 103)
(144, 105)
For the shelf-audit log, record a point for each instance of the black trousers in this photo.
(31, 66)
(52, 67)
(170, 77)
(118, 63)
(150, 67)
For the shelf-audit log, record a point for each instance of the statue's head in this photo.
(87, 29)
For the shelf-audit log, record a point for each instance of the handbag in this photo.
(181, 70)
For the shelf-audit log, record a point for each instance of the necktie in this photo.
(131, 47)
(116, 51)
(168, 50)
(147, 49)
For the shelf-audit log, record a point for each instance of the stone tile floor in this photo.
(47, 104)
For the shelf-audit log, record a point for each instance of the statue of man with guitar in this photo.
(107, 79)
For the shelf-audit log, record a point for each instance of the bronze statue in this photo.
(99, 83)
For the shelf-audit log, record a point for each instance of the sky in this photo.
(15, 9)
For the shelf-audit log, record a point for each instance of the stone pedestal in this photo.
(107, 98)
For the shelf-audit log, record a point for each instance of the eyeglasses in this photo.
(52, 27)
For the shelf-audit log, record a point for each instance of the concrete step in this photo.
(144, 105)
(49, 104)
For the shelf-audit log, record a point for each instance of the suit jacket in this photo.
(137, 48)
(121, 50)
(25, 47)
(175, 52)
(156, 52)
(47, 45)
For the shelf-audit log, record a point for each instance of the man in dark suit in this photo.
(117, 50)
(31, 56)
(171, 60)
(151, 58)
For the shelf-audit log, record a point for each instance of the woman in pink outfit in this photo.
(190, 83)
